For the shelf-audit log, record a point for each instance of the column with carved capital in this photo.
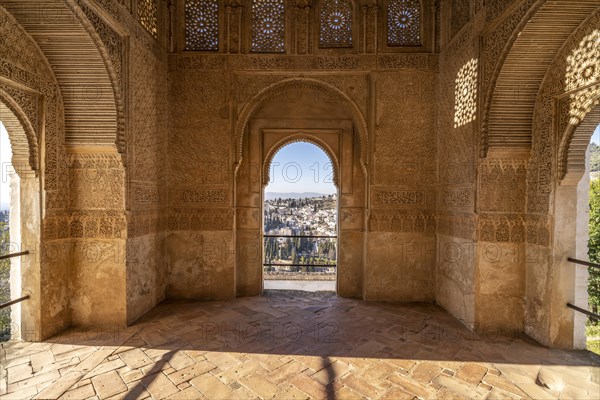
(302, 26)
(233, 37)
(370, 10)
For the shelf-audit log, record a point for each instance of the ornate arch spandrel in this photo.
(268, 93)
(572, 158)
(299, 138)
(27, 130)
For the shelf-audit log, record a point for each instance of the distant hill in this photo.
(292, 195)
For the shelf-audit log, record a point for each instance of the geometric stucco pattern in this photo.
(557, 81)
(23, 64)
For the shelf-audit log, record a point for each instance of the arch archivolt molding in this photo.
(279, 88)
(300, 137)
(575, 138)
(21, 86)
(23, 148)
(561, 107)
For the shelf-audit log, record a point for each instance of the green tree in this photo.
(594, 246)
(4, 283)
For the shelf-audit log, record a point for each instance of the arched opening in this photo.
(300, 218)
(588, 246)
(577, 213)
(290, 111)
(19, 230)
(5, 234)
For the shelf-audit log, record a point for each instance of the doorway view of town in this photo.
(300, 220)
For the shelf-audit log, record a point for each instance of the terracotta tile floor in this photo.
(291, 345)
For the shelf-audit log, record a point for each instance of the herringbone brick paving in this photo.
(293, 345)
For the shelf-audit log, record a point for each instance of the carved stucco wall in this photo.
(550, 227)
(402, 192)
(154, 217)
(495, 218)
(85, 239)
(147, 173)
(139, 69)
(455, 278)
(28, 82)
(208, 93)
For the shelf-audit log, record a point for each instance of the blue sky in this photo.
(5, 153)
(301, 167)
(596, 135)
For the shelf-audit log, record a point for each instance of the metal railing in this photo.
(23, 253)
(300, 236)
(20, 299)
(15, 301)
(590, 265)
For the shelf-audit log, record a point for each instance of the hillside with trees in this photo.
(594, 158)
(315, 216)
(4, 278)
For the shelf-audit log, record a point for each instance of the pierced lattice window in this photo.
(404, 23)
(268, 26)
(148, 15)
(465, 94)
(202, 25)
(336, 23)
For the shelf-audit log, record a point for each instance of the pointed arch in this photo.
(300, 138)
(241, 125)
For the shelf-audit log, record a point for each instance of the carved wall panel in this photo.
(303, 26)
(494, 8)
(405, 130)
(200, 143)
(407, 221)
(501, 228)
(460, 15)
(459, 225)
(200, 219)
(147, 157)
(502, 185)
(97, 181)
(267, 62)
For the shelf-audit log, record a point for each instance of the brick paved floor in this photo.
(291, 345)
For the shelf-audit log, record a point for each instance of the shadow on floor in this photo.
(322, 324)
